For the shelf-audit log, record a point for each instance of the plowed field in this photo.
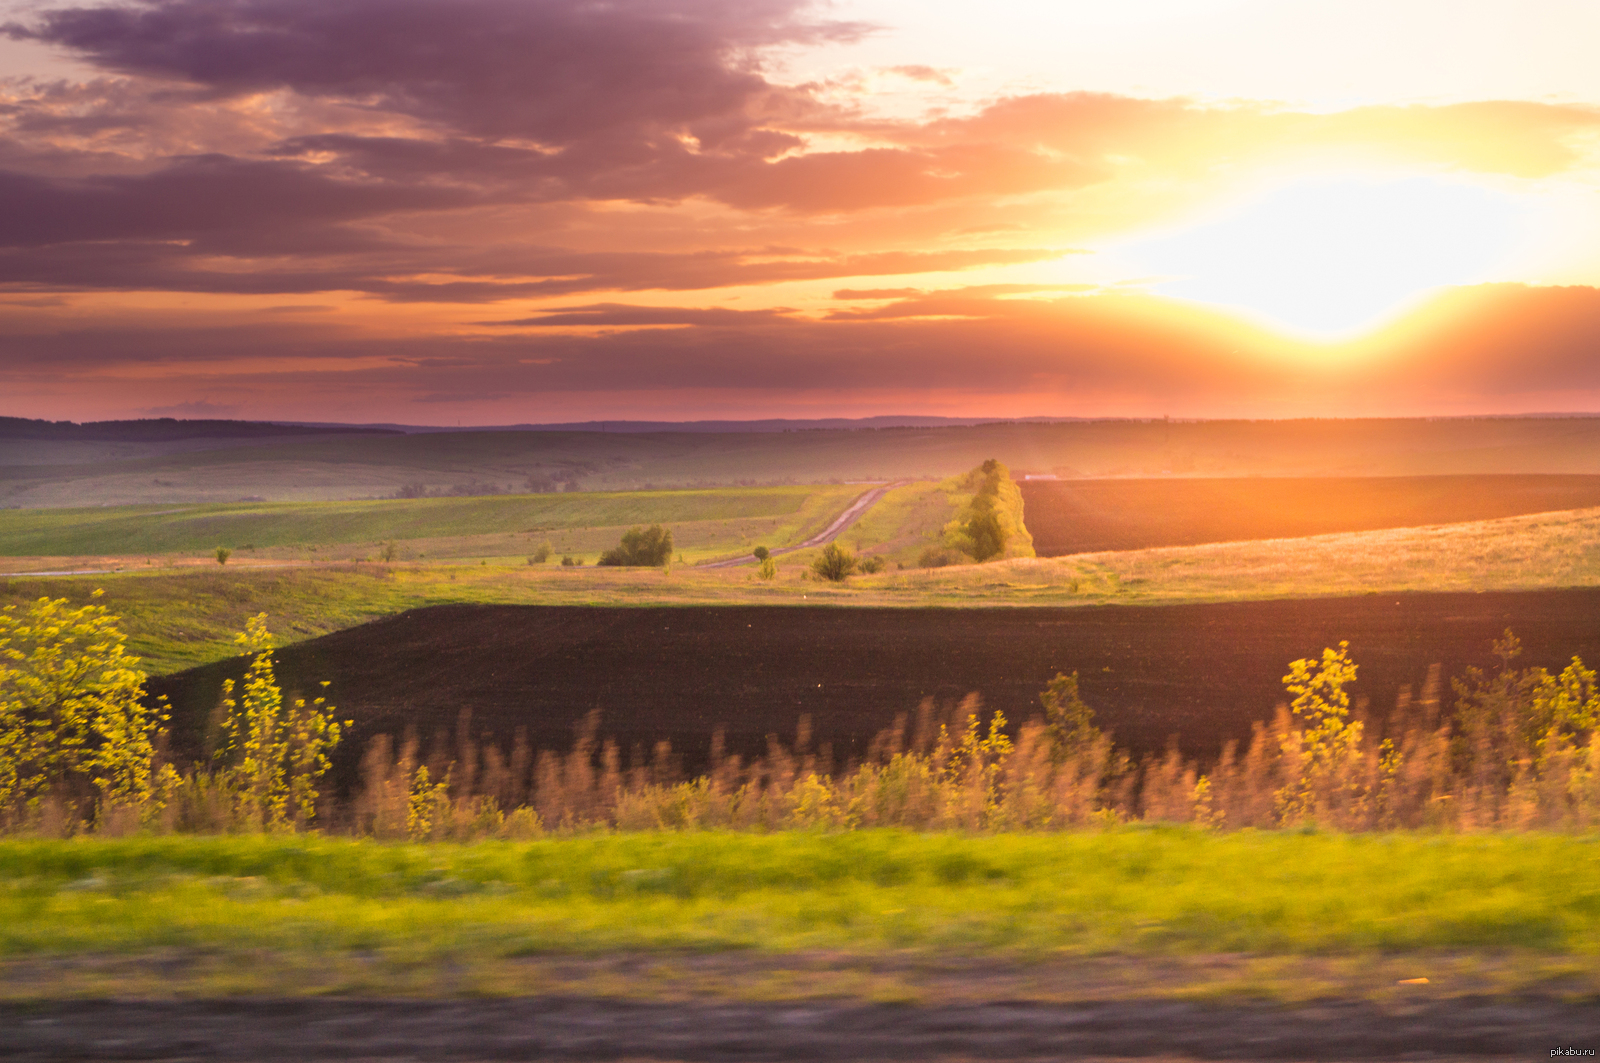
(1084, 516)
(1201, 673)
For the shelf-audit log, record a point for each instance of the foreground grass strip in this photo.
(1132, 891)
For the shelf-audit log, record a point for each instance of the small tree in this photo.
(761, 553)
(223, 553)
(273, 756)
(388, 552)
(650, 546)
(987, 536)
(1330, 741)
(834, 563)
(1069, 723)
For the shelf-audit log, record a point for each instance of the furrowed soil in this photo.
(1085, 516)
(1200, 674)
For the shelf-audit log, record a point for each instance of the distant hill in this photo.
(165, 429)
(774, 424)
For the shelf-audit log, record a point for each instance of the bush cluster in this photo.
(650, 546)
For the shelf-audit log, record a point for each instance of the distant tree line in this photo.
(156, 430)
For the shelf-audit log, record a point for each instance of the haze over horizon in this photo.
(535, 211)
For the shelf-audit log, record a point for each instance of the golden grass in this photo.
(1539, 551)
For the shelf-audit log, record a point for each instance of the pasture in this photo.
(703, 522)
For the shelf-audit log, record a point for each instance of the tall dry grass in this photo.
(1479, 766)
(1511, 750)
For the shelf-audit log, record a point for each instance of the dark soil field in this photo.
(1084, 516)
(1200, 673)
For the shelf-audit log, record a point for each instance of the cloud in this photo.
(621, 314)
(554, 72)
(199, 409)
(381, 271)
(574, 152)
(208, 198)
(920, 72)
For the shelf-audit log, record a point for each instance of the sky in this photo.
(505, 211)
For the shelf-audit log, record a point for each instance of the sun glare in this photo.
(1333, 258)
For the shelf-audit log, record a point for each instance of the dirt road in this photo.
(852, 513)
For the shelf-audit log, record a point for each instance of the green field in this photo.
(35, 474)
(704, 522)
(453, 916)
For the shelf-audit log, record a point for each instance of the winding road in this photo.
(852, 513)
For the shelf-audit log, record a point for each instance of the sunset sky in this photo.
(500, 211)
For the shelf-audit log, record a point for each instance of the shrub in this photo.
(273, 754)
(223, 553)
(768, 569)
(570, 561)
(871, 565)
(540, 555)
(834, 563)
(938, 557)
(1330, 742)
(650, 546)
(73, 721)
(1069, 723)
(388, 552)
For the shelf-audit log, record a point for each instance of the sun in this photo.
(1331, 258)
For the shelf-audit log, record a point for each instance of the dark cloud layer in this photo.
(546, 70)
(1508, 341)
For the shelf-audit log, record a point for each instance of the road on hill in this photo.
(852, 513)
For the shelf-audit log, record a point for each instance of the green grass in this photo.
(1138, 891)
(906, 521)
(777, 513)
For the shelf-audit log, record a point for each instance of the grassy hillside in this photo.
(482, 526)
(179, 619)
(72, 473)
